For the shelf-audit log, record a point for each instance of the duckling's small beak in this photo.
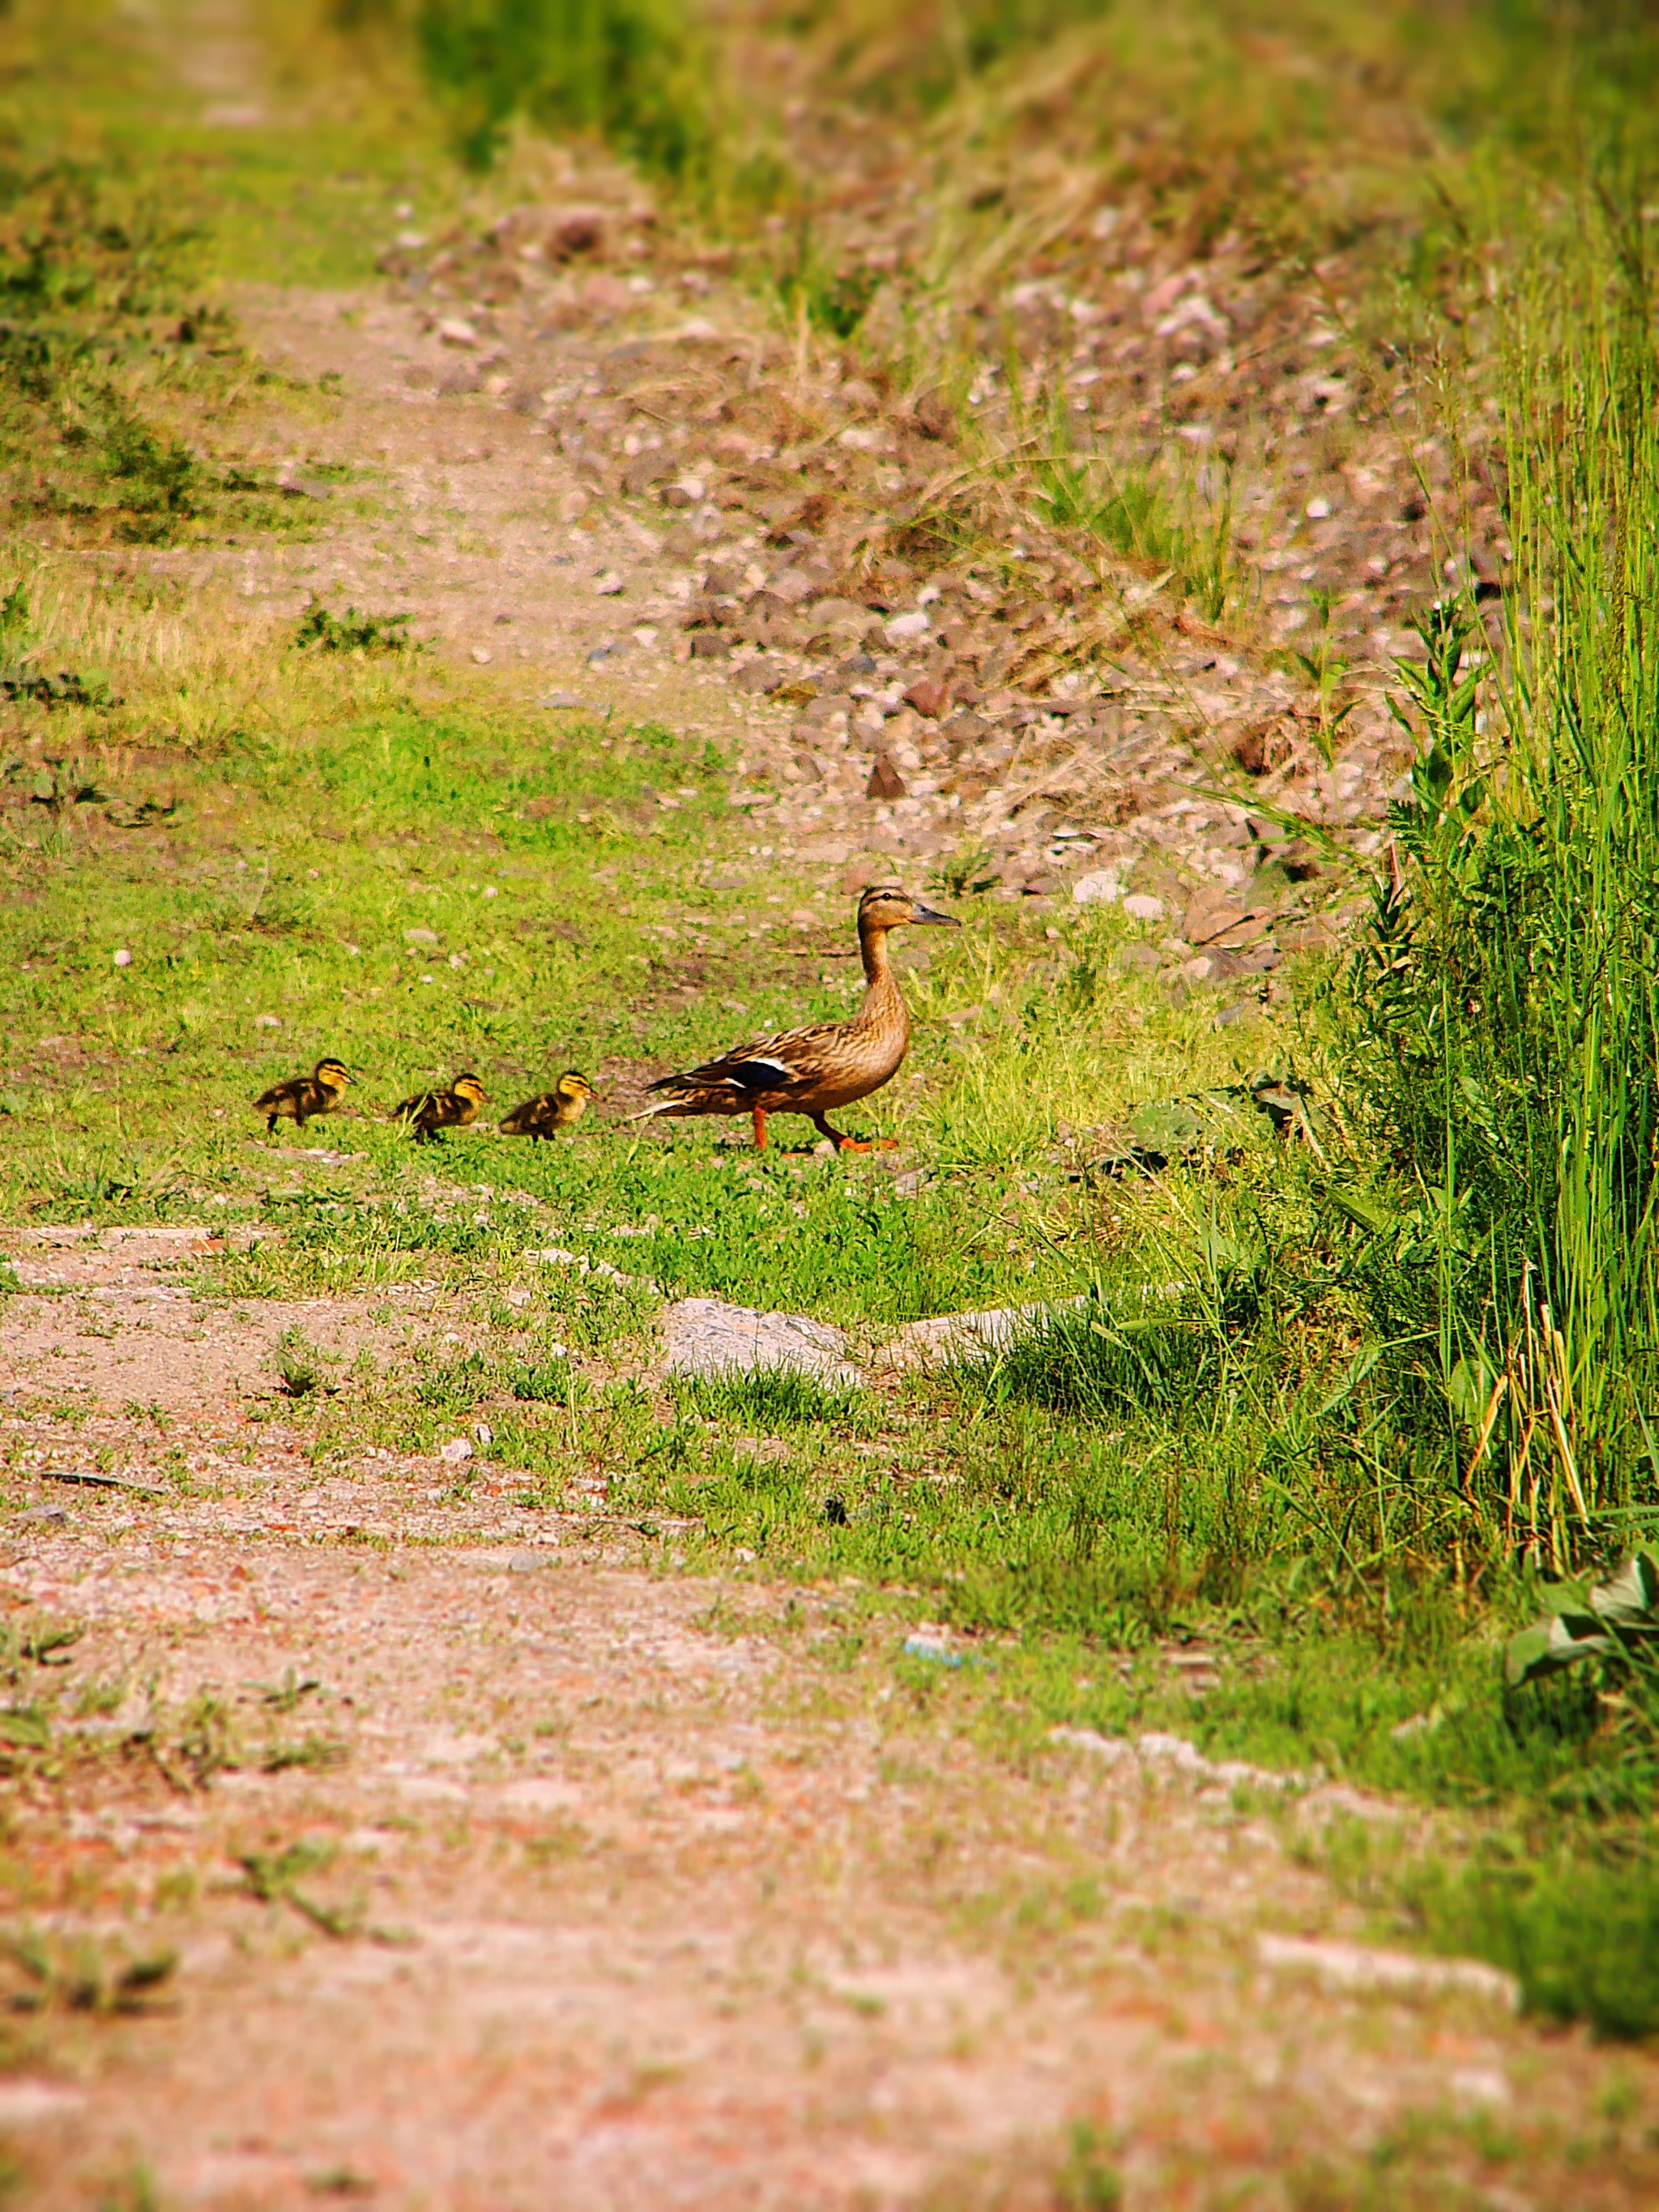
(927, 913)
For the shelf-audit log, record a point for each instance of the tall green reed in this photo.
(1510, 974)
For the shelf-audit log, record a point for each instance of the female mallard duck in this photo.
(813, 1070)
(555, 1111)
(428, 1113)
(302, 1096)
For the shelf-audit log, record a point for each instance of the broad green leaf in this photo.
(1549, 1646)
(1629, 1603)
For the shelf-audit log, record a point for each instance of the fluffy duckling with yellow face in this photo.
(553, 1113)
(429, 1112)
(303, 1096)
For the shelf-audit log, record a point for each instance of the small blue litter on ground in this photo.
(923, 1647)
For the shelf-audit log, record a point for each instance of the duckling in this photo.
(812, 1071)
(302, 1096)
(555, 1111)
(428, 1113)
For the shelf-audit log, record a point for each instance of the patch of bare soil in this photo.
(103, 1317)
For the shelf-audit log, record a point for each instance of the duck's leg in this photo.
(270, 1125)
(846, 1144)
(760, 1128)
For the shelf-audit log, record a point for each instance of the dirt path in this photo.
(636, 1902)
(501, 1864)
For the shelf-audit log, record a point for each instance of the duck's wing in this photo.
(407, 1106)
(791, 1060)
(280, 1093)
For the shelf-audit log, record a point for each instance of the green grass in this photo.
(125, 207)
(633, 72)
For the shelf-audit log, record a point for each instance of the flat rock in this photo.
(1174, 1755)
(834, 614)
(1209, 913)
(958, 1339)
(1357, 1965)
(1215, 921)
(705, 1337)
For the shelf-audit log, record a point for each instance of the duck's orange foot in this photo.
(854, 1145)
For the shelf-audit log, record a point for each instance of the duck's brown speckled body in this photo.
(815, 1070)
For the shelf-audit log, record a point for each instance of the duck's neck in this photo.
(884, 1002)
(873, 950)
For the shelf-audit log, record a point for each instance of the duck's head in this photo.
(574, 1088)
(331, 1074)
(887, 906)
(468, 1086)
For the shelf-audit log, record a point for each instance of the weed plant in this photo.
(1183, 530)
(326, 632)
(88, 264)
(1505, 995)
